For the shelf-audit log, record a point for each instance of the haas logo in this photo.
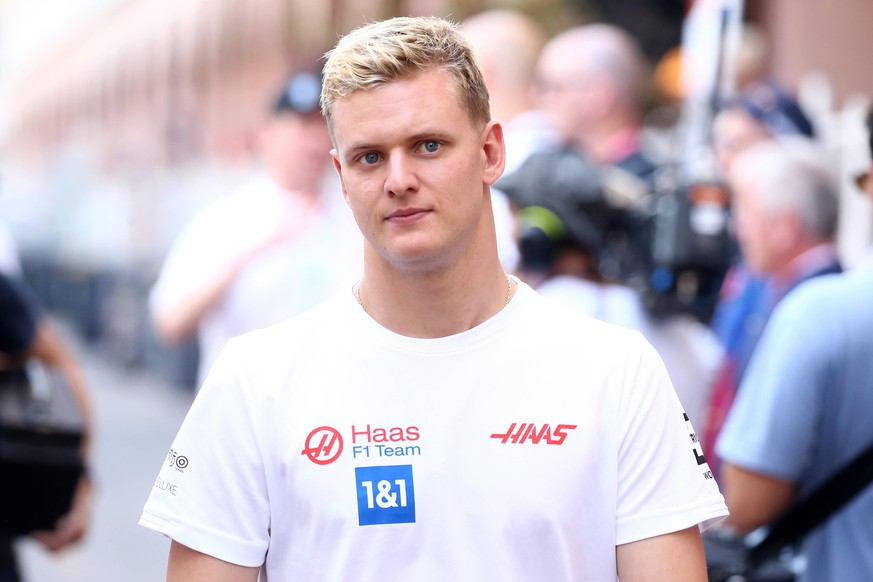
(528, 432)
(323, 445)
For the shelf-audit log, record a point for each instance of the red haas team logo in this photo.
(324, 445)
(529, 432)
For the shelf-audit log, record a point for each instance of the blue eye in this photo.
(431, 146)
(370, 158)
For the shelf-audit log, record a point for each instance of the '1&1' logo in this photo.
(386, 494)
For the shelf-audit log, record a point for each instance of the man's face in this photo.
(295, 149)
(566, 93)
(415, 169)
(756, 229)
(734, 131)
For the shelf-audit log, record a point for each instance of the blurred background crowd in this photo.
(136, 136)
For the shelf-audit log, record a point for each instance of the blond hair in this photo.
(389, 50)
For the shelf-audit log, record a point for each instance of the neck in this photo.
(434, 304)
(812, 256)
(607, 142)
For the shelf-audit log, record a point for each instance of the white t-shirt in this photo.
(690, 350)
(527, 448)
(322, 257)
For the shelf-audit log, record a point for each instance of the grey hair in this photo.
(793, 174)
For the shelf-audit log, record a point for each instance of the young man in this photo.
(439, 421)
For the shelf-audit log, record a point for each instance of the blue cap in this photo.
(773, 108)
(300, 94)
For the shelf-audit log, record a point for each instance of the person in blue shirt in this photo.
(802, 413)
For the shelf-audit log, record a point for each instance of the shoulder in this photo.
(301, 333)
(823, 301)
(557, 327)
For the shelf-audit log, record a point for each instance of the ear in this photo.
(602, 98)
(494, 151)
(334, 156)
(786, 232)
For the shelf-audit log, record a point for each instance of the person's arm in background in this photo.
(676, 556)
(49, 348)
(176, 318)
(195, 277)
(754, 499)
(45, 345)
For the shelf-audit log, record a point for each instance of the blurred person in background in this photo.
(594, 81)
(762, 112)
(803, 412)
(271, 249)
(26, 334)
(507, 44)
(785, 202)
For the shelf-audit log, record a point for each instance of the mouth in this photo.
(407, 215)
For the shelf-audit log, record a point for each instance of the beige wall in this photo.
(831, 36)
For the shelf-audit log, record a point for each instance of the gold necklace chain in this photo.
(508, 294)
(360, 301)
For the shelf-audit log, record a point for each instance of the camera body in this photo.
(689, 249)
(667, 239)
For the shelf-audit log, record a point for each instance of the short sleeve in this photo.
(210, 494)
(664, 482)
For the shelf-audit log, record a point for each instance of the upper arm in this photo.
(676, 556)
(187, 565)
(754, 499)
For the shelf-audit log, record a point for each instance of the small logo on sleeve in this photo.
(697, 448)
(177, 461)
(386, 494)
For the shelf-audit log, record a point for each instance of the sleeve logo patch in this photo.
(697, 449)
(177, 461)
(386, 494)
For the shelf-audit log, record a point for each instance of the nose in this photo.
(401, 178)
